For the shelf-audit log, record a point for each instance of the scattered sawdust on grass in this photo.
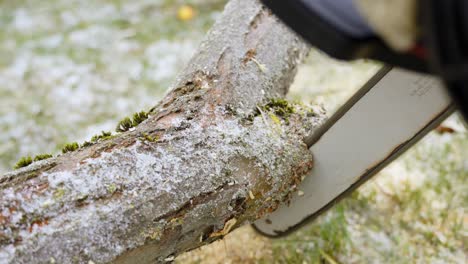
(241, 246)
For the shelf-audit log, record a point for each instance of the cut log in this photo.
(217, 152)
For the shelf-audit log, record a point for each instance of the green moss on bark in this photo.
(128, 123)
(105, 135)
(70, 147)
(124, 125)
(42, 157)
(23, 162)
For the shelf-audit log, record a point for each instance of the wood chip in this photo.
(227, 228)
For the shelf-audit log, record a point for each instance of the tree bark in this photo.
(208, 159)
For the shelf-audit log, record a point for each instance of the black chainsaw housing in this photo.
(303, 17)
(442, 50)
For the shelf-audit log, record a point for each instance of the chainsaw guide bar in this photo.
(388, 115)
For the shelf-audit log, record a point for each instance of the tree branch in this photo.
(214, 154)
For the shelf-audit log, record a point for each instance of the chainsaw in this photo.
(397, 107)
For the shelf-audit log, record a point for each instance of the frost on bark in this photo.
(217, 152)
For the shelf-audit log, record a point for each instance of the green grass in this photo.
(326, 238)
(421, 222)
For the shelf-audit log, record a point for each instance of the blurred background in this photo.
(70, 69)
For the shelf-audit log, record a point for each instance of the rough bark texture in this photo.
(206, 161)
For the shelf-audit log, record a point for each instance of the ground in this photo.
(70, 69)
